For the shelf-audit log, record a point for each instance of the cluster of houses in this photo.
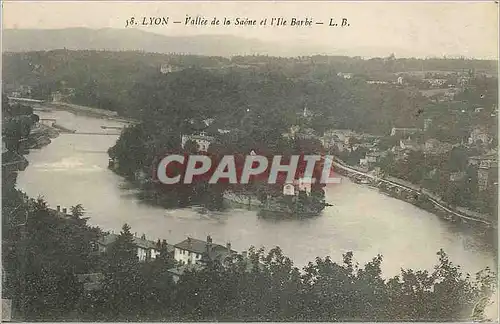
(24, 91)
(205, 136)
(398, 81)
(410, 139)
(190, 254)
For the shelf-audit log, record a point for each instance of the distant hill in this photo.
(110, 39)
(25, 40)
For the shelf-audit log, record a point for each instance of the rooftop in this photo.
(140, 242)
(199, 246)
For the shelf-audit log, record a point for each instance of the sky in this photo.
(462, 28)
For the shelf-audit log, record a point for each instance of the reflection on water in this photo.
(73, 169)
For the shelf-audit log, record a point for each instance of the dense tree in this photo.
(46, 253)
(43, 264)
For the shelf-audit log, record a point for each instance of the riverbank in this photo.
(40, 136)
(417, 196)
(91, 112)
(74, 170)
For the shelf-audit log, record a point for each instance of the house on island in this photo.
(91, 281)
(202, 139)
(203, 132)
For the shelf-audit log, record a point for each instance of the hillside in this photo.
(25, 40)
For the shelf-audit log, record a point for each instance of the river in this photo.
(73, 170)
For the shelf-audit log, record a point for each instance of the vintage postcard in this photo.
(249, 161)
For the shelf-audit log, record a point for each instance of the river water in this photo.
(73, 170)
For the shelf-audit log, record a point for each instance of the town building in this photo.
(24, 91)
(427, 124)
(399, 153)
(288, 189)
(463, 81)
(194, 251)
(177, 272)
(341, 147)
(486, 159)
(457, 176)
(376, 82)
(486, 175)
(146, 250)
(487, 169)
(372, 158)
(402, 131)
(434, 147)
(91, 281)
(4, 147)
(168, 68)
(344, 135)
(202, 139)
(306, 133)
(61, 212)
(409, 144)
(301, 133)
(328, 141)
(6, 310)
(345, 75)
(304, 184)
(57, 96)
(478, 134)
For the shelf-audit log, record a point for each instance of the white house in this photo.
(202, 139)
(166, 68)
(409, 144)
(57, 96)
(288, 189)
(304, 184)
(376, 82)
(345, 75)
(193, 251)
(146, 250)
(433, 146)
(4, 147)
(490, 158)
